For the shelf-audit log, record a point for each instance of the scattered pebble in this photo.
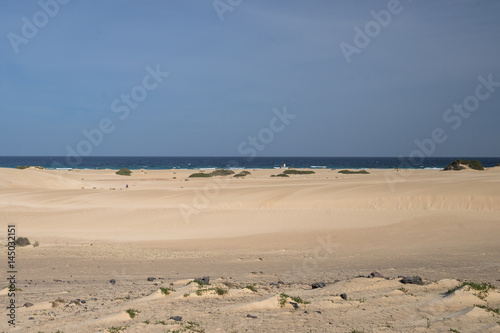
(318, 285)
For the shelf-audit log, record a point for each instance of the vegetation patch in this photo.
(283, 298)
(124, 172)
(22, 167)
(200, 175)
(22, 241)
(242, 174)
(298, 172)
(299, 300)
(487, 308)
(351, 172)
(463, 164)
(222, 172)
(280, 175)
(221, 291)
(132, 312)
(57, 302)
(166, 291)
(482, 288)
(252, 287)
(116, 329)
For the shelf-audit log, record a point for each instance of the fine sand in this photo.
(275, 235)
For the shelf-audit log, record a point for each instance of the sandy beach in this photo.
(263, 241)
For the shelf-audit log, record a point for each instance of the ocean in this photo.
(157, 162)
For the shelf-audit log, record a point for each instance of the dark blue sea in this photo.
(139, 162)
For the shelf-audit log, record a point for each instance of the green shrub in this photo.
(299, 300)
(488, 308)
(221, 291)
(222, 172)
(349, 172)
(298, 172)
(280, 175)
(124, 172)
(252, 287)
(166, 291)
(282, 299)
(22, 167)
(462, 164)
(200, 175)
(242, 174)
(22, 241)
(132, 312)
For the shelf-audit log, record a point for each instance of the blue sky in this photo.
(225, 77)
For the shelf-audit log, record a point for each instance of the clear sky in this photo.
(356, 78)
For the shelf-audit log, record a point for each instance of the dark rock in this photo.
(27, 305)
(295, 305)
(112, 281)
(31, 318)
(375, 275)
(171, 284)
(203, 280)
(151, 279)
(318, 312)
(273, 284)
(176, 318)
(344, 296)
(306, 312)
(318, 285)
(412, 280)
(281, 282)
(250, 316)
(83, 302)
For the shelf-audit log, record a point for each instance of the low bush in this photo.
(22, 241)
(242, 174)
(222, 172)
(22, 167)
(200, 175)
(124, 172)
(350, 172)
(298, 172)
(280, 175)
(132, 312)
(462, 164)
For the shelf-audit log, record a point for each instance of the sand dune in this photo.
(325, 227)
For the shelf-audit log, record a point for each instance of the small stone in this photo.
(203, 280)
(344, 296)
(295, 305)
(176, 318)
(31, 318)
(412, 280)
(83, 302)
(318, 312)
(318, 285)
(375, 275)
(112, 281)
(151, 279)
(250, 316)
(27, 305)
